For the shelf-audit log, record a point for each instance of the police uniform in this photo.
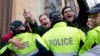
(63, 40)
(32, 44)
(92, 40)
(3, 49)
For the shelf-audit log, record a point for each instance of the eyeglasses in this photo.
(92, 15)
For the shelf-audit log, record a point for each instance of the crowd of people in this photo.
(60, 34)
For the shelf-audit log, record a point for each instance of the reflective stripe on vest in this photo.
(3, 49)
(29, 41)
(29, 54)
(65, 54)
(95, 51)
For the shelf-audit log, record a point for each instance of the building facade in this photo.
(11, 10)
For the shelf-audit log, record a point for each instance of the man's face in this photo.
(45, 21)
(68, 14)
(96, 18)
(90, 23)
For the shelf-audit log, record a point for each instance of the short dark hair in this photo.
(65, 8)
(42, 15)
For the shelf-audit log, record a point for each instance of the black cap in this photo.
(56, 15)
(95, 9)
(14, 25)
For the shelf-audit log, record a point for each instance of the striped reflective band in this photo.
(28, 54)
(95, 51)
(65, 54)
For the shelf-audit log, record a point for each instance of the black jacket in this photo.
(37, 29)
(42, 30)
(81, 20)
(74, 23)
(83, 15)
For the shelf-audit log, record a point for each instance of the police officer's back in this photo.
(33, 44)
(61, 39)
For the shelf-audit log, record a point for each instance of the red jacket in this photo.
(7, 36)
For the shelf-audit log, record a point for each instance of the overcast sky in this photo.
(92, 3)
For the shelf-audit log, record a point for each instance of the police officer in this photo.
(61, 39)
(93, 36)
(33, 44)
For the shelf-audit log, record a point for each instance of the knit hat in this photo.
(95, 9)
(15, 24)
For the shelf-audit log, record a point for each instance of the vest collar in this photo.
(60, 24)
